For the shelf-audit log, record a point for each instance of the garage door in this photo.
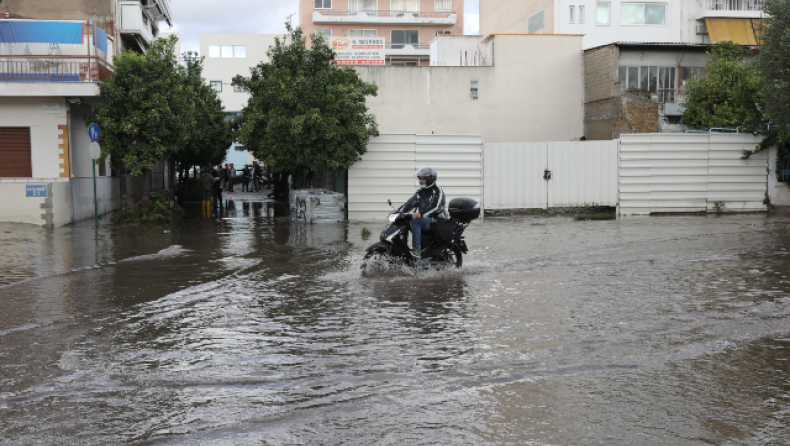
(15, 152)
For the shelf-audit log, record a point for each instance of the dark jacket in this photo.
(429, 201)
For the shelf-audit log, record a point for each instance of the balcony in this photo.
(136, 23)
(407, 49)
(60, 68)
(383, 17)
(750, 9)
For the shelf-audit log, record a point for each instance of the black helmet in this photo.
(429, 175)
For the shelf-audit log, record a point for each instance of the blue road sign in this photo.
(35, 191)
(94, 132)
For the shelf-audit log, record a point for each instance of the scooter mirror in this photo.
(389, 202)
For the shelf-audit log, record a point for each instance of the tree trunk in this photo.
(171, 174)
(308, 181)
(146, 190)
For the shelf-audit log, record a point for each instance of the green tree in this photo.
(305, 112)
(148, 112)
(730, 95)
(210, 140)
(773, 63)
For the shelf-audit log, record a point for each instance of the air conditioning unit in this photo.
(702, 30)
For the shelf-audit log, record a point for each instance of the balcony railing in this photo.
(386, 13)
(734, 5)
(54, 69)
(407, 46)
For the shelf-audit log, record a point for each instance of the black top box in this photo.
(464, 209)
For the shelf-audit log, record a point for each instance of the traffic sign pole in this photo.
(95, 151)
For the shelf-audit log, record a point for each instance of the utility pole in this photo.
(289, 18)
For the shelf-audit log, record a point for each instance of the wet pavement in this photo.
(243, 330)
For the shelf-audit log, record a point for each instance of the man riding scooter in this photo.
(429, 204)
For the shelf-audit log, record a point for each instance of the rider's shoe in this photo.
(415, 254)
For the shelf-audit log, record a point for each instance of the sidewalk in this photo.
(262, 196)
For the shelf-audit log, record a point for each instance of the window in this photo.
(368, 7)
(400, 38)
(403, 63)
(535, 22)
(216, 86)
(323, 4)
(644, 14)
(227, 51)
(572, 9)
(473, 90)
(404, 7)
(660, 81)
(326, 32)
(602, 13)
(581, 14)
(444, 5)
(363, 33)
(444, 33)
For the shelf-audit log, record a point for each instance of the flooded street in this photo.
(246, 331)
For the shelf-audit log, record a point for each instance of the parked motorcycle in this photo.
(444, 245)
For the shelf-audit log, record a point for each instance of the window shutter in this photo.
(15, 153)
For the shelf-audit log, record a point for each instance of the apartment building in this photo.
(227, 56)
(53, 57)
(606, 21)
(407, 26)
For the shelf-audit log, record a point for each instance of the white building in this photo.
(230, 55)
(507, 99)
(52, 60)
(606, 21)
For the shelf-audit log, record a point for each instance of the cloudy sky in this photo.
(192, 17)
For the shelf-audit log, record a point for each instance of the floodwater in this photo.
(245, 331)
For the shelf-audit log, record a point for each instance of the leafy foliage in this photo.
(730, 95)
(773, 63)
(305, 111)
(148, 112)
(212, 136)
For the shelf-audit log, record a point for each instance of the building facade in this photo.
(227, 56)
(53, 57)
(638, 87)
(506, 100)
(407, 26)
(606, 21)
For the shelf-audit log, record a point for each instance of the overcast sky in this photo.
(193, 17)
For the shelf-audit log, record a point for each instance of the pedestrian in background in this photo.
(231, 175)
(245, 178)
(257, 173)
(207, 180)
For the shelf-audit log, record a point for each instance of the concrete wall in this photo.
(601, 92)
(45, 136)
(459, 51)
(517, 102)
(51, 211)
(512, 16)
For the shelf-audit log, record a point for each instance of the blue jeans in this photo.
(417, 226)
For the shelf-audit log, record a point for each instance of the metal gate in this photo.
(542, 175)
(386, 171)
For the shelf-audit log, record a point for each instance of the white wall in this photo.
(224, 69)
(533, 92)
(596, 35)
(456, 51)
(778, 192)
(44, 133)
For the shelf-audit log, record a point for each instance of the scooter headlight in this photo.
(393, 217)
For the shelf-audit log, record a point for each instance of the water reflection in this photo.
(251, 330)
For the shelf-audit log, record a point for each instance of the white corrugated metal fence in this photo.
(686, 172)
(387, 171)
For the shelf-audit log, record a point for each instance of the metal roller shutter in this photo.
(15, 153)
